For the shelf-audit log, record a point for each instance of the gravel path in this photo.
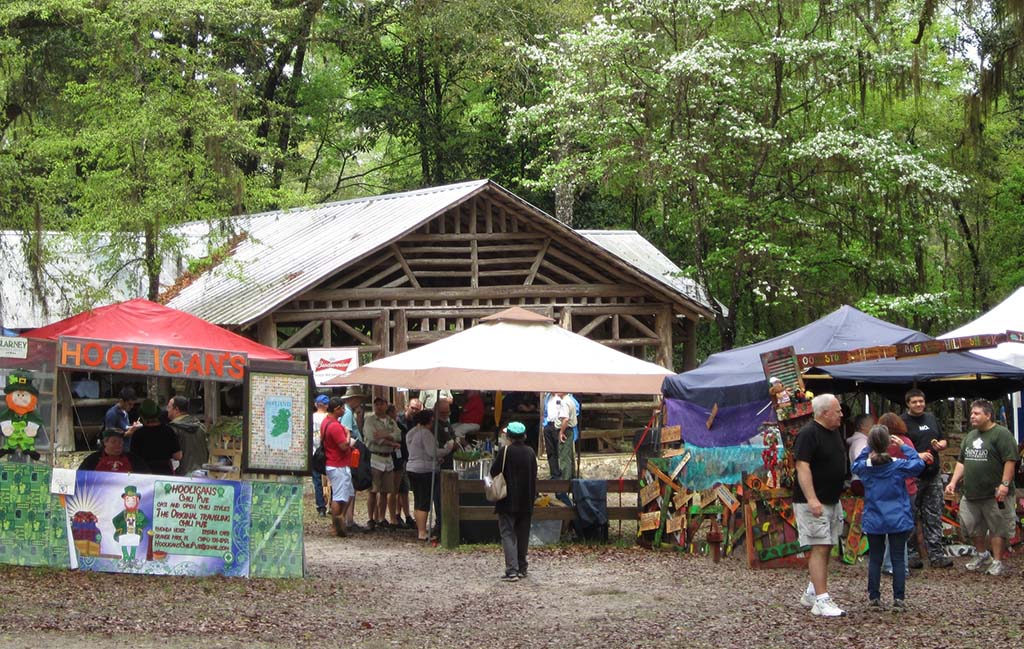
(386, 590)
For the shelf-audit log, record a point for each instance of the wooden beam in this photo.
(481, 293)
(266, 331)
(480, 236)
(640, 326)
(594, 324)
(563, 272)
(474, 280)
(401, 331)
(390, 270)
(663, 325)
(397, 252)
(313, 314)
(502, 273)
(450, 261)
(535, 266)
(589, 269)
(690, 344)
(518, 261)
(355, 333)
(303, 331)
(626, 342)
(441, 250)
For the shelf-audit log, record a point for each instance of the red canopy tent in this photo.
(144, 322)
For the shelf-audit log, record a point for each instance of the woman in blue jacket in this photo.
(887, 515)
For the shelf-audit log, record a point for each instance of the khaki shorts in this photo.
(384, 481)
(982, 517)
(818, 530)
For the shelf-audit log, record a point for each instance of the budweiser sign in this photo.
(332, 362)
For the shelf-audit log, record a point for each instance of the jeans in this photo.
(318, 491)
(887, 560)
(515, 539)
(876, 550)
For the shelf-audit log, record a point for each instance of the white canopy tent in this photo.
(515, 350)
(1008, 315)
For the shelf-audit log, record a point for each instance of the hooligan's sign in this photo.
(155, 360)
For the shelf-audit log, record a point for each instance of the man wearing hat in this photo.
(129, 524)
(320, 403)
(518, 463)
(19, 422)
(112, 457)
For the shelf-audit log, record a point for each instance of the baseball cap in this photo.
(515, 428)
(322, 400)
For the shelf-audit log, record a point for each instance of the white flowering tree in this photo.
(789, 153)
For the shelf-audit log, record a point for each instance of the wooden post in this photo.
(663, 327)
(449, 510)
(266, 331)
(690, 345)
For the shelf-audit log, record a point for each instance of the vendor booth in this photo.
(729, 411)
(1007, 315)
(514, 349)
(132, 522)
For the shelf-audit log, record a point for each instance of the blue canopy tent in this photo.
(735, 376)
(734, 380)
(958, 374)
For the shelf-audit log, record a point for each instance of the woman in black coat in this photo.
(519, 464)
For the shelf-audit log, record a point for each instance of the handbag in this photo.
(496, 489)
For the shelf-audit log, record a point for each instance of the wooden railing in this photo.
(452, 513)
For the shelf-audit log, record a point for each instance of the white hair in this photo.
(821, 403)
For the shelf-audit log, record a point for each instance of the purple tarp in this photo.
(733, 425)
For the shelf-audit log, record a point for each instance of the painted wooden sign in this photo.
(649, 492)
(153, 360)
(671, 434)
(650, 521)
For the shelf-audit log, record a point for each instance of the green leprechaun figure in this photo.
(18, 421)
(129, 524)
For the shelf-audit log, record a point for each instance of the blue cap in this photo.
(515, 428)
(322, 400)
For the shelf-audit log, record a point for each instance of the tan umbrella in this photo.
(514, 349)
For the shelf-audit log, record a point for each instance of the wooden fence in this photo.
(452, 513)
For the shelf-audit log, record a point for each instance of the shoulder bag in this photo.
(496, 489)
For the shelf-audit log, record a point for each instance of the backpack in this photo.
(362, 477)
(319, 461)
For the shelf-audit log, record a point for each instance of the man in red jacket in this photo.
(335, 439)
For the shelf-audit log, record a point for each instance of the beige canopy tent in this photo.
(515, 350)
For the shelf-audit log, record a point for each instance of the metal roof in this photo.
(630, 246)
(290, 251)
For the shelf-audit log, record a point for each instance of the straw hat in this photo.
(354, 391)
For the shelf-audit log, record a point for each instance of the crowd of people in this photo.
(895, 466)
(161, 442)
(407, 452)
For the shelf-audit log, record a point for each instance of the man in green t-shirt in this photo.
(987, 458)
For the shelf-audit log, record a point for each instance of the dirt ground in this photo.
(384, 589)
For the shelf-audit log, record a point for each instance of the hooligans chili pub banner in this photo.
(151, 524)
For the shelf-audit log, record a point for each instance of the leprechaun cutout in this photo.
(129, 524)
(18, 421)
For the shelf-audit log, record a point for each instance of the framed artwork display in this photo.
(277, 416)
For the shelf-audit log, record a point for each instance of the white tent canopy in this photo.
(514, 349)
(1008, 315)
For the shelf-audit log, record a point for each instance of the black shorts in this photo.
(421, 489)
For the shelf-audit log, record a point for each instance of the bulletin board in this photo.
(276, 438)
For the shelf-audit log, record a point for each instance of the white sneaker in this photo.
(979, 561)
(826, 608)
(996, 569)
(807, 600)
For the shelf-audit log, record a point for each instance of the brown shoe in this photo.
(339, 526)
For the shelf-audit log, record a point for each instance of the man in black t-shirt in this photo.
(820, 454)
(926, 434)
